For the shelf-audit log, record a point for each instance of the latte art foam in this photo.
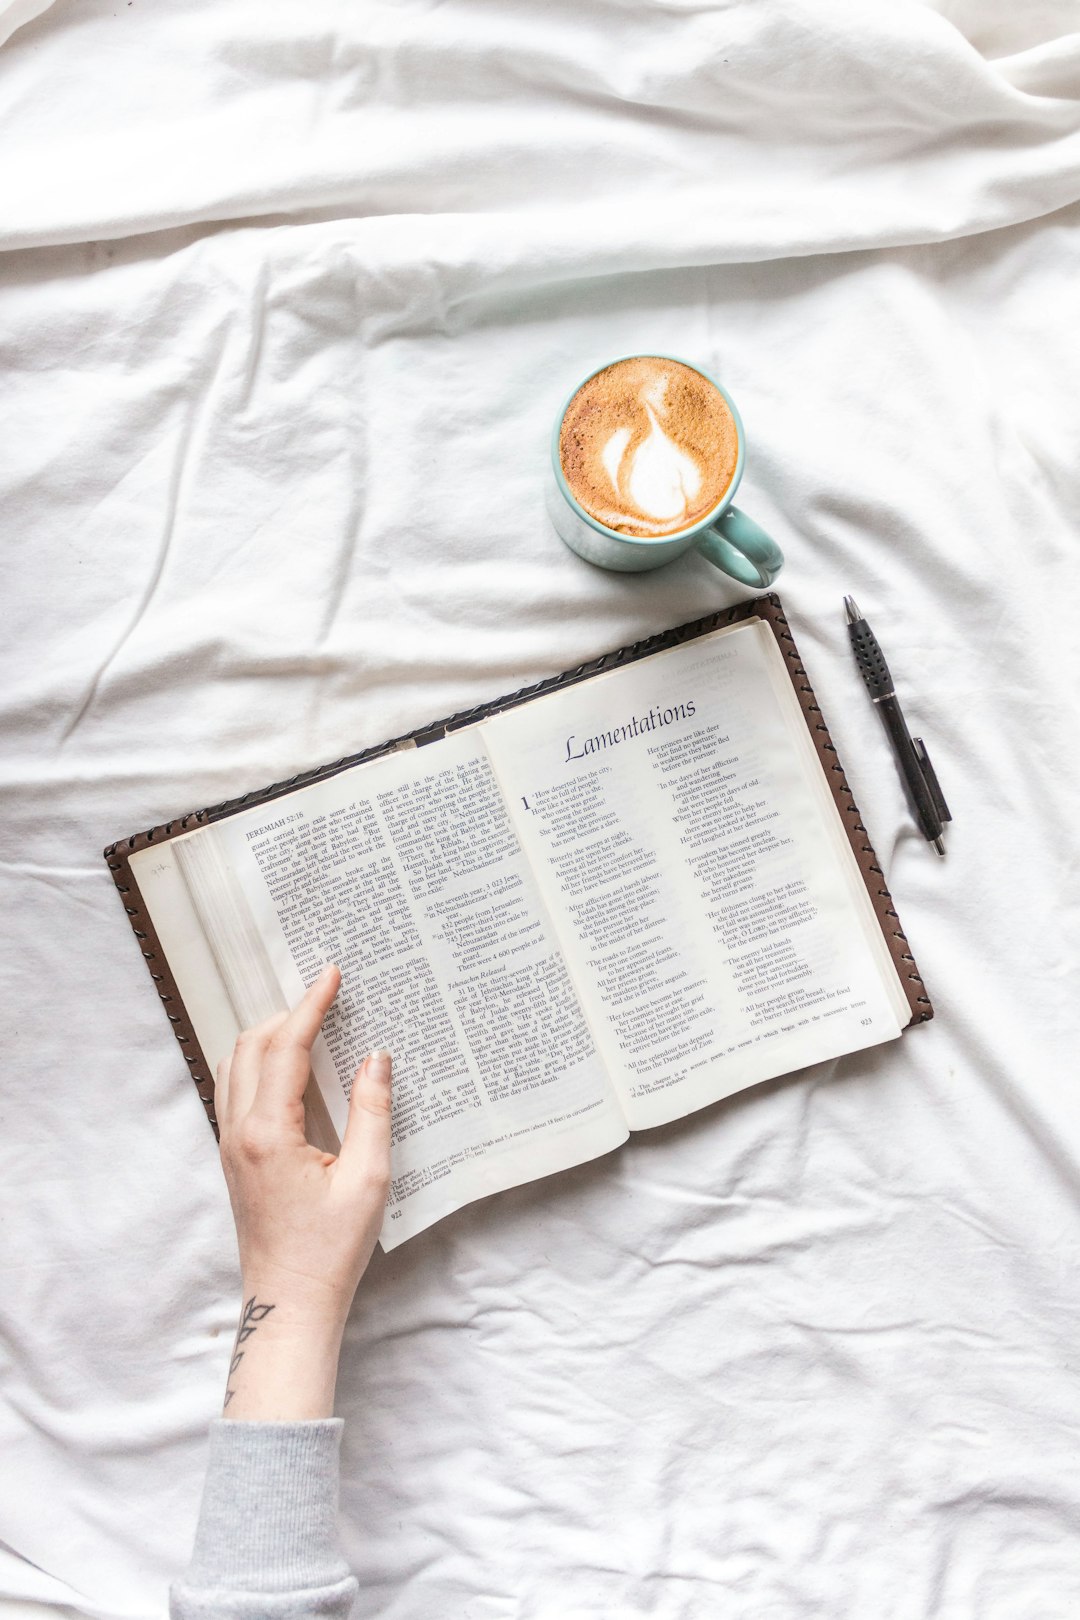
(648, 446)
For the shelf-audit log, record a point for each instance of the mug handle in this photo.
(742, 549)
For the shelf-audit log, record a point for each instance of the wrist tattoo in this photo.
(250, 1318)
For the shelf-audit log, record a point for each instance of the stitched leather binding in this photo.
(910, 978)
(766, 607)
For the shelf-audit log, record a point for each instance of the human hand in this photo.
(306, 1222)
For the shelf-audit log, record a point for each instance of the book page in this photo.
(407, 873)
(182, 937)
(697, 872)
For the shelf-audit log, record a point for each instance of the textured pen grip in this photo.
(870, 659)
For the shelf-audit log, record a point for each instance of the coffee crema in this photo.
(648, 446)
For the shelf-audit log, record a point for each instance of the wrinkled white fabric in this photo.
(14, 13)
(288, 298)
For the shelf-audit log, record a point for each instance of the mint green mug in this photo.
(725, 535)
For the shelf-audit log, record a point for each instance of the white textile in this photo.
(289, 295)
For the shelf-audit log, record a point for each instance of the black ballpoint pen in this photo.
(920, 782)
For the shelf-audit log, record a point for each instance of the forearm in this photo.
(267, 1540)
(285, 1359)
(306, 1225)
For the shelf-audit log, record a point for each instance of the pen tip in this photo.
(852, 607)
(938, 845)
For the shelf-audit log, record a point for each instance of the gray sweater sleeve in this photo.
(267, 1541)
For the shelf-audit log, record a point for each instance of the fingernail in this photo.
(378, 1065)
(326, 973)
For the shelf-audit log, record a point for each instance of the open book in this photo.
(582, 911)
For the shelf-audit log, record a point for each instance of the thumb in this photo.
(365, 1147)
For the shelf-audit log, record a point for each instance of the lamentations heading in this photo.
(637, 727)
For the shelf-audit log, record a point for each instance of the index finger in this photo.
(306, 1018)
(285, 1065)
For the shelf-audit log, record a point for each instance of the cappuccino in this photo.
(648, 446)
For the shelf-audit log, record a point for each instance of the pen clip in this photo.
(930, 777)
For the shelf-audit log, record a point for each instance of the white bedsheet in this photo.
(288, 296)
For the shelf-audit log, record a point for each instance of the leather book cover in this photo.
(767, 607)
